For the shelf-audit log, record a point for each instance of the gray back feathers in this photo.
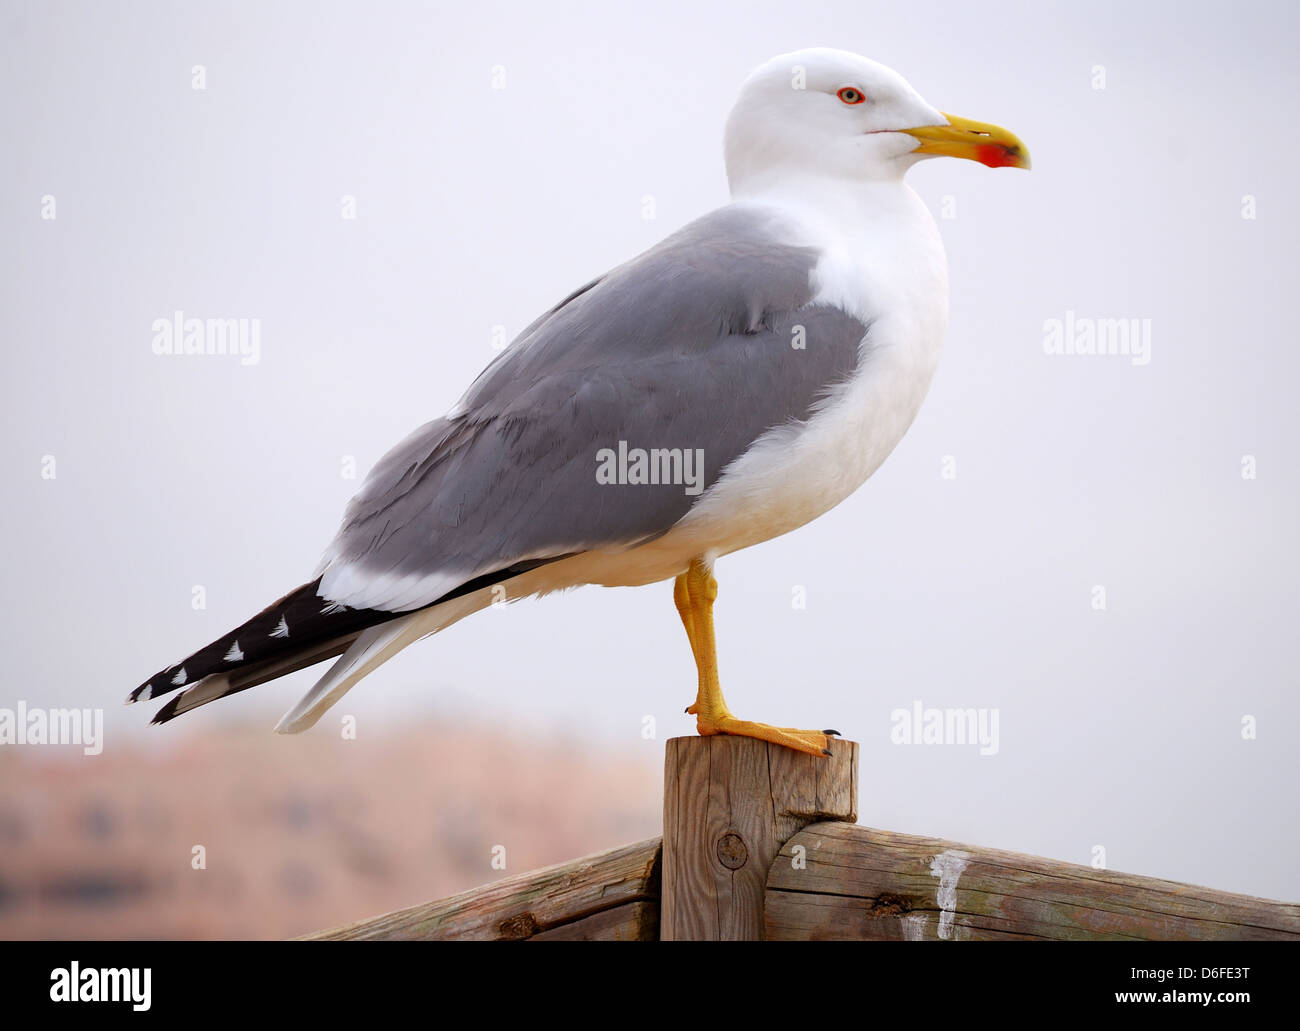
(691, 345)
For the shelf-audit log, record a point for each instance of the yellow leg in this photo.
(682, 599)
(694, 593)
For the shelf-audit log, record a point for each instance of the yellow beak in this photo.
(978, 141)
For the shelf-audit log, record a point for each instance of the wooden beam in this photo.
(730, 803)
(610, 896)
(635, 922)
(834, 881)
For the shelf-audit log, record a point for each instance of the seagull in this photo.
(723, 388)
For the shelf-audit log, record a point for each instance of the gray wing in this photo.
(690, 346)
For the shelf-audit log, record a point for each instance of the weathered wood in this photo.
(574, 895)
(635, 922)
(855, 883)
(730, 803)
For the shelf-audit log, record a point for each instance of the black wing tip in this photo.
(167, 712)
(161, 683)
(145, 691)
(214, 657)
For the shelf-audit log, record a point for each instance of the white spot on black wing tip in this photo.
(234, 655)
(178, 680)
(281, 629)
(333, 607)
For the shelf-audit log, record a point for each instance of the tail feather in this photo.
(371, 649)
(221, 685)
(302, 629)
(299, 621)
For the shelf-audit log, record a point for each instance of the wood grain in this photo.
(635, 922)
(857, 883)
(730, 803)
(594, 897)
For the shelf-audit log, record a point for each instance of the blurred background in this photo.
(1101, 551)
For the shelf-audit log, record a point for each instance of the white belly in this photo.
(788, 478)
(793, 475)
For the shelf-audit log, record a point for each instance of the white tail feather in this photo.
(371, 650)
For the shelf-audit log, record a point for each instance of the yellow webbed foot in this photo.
(694, 593)
(813, 742)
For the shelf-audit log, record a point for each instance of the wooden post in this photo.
(730, 804)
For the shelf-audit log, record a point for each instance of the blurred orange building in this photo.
(296, 834)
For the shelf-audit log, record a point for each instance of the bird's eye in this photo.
(850, 95)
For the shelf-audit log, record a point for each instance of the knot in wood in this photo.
(732, 852)
(517, 928)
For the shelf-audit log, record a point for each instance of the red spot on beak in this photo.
(994, 155)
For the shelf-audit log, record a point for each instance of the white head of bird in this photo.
(831, 114)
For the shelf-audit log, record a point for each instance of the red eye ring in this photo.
(851, 95)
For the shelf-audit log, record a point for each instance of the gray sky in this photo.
(478, 207)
